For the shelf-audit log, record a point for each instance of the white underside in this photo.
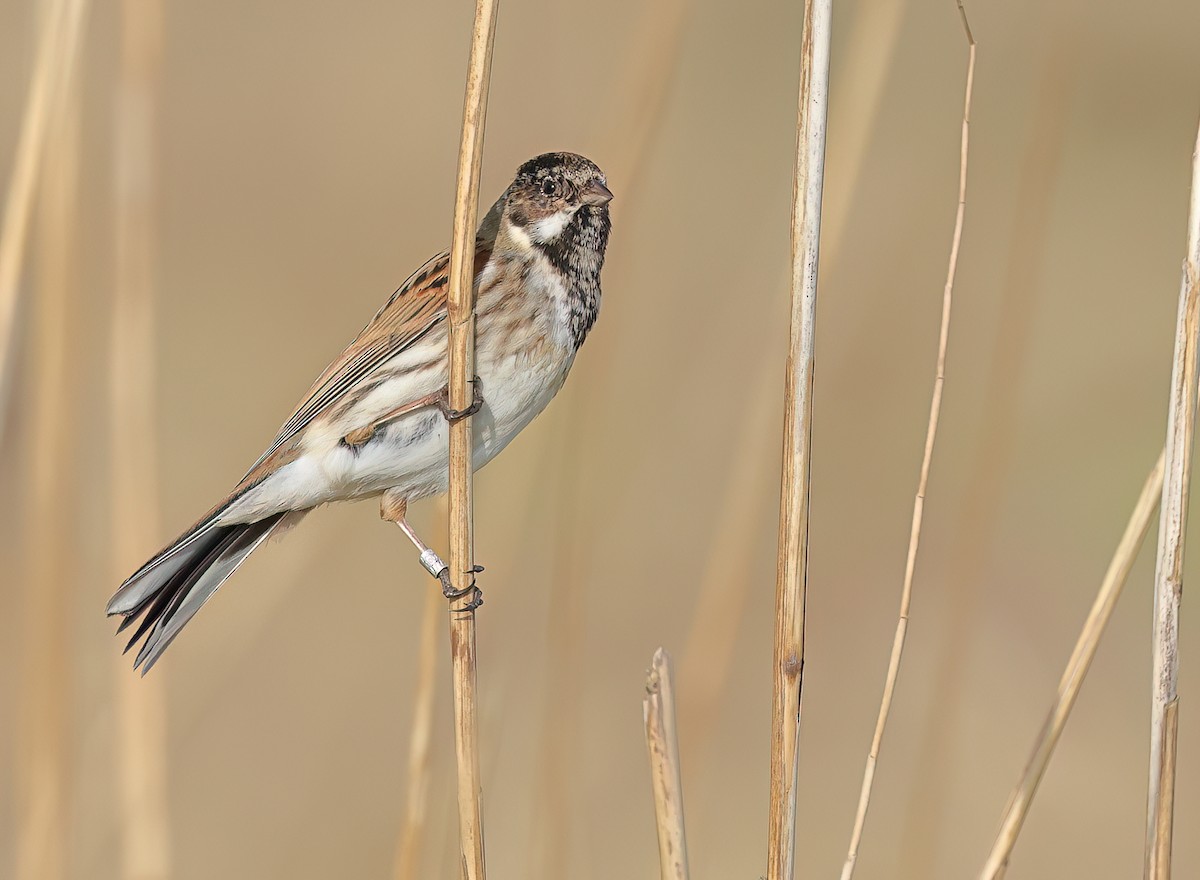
(411, 453)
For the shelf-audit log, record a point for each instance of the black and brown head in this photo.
(558, 206)
(553, 190)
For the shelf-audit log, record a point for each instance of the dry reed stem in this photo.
(43, 745)
(1168, 569)
(420, 753)
(1074, 673)
(461, 298)
(725, 588)
(792, 571)
(54, 63)
(893, 671)
(141, 703)
(662, 743)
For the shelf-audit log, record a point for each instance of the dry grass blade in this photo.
(1168, 570)
(141, 721)
(1074, 674)
(461, 297)
(55, 59)
(662, 743)
(788, 652)
(889, 687)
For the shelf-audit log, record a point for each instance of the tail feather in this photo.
(168, 591)
(148, 581)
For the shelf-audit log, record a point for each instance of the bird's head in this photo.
(558, 197)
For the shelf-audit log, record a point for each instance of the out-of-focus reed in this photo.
(1072, 678)
(45, 717)
(141, 701)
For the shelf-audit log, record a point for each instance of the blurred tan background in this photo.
(305, 164)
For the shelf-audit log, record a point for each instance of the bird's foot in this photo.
(457, 415)
(471, 589)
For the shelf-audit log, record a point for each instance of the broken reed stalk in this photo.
(662, 744)
(1168, 569)
(141, 703)
(914, 541)
(1076, 670)
(54, 62)
(461, 304)
(420, 753)
(43, 749)
(792, 568)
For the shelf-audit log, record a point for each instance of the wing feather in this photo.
(410, 314)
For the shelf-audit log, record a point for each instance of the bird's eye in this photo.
(549, 186)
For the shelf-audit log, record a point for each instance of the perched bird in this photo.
(375, 422)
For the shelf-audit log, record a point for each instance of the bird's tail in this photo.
(169, 589)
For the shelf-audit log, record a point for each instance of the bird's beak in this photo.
(596, 194)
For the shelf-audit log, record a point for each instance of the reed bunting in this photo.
(375, 422)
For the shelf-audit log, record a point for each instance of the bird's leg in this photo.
(394, 508)
(439, 398)
(359, 436)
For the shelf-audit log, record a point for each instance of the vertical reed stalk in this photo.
(662, 743)
(935, 406)
(141, 703)
(1077, 669)
(54, 62)
(43, 718)
(792, 570)
(1168, 570)
(462, 369)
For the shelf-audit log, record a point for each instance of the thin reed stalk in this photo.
(420, 752)
(54, 63)
(893, 671)
(461, 296)
(43, 743)
(662, 743)
(725, 586)
(141, 703)
(792, 569)
(1076, 670)
(990, 468)
(1168, 569)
